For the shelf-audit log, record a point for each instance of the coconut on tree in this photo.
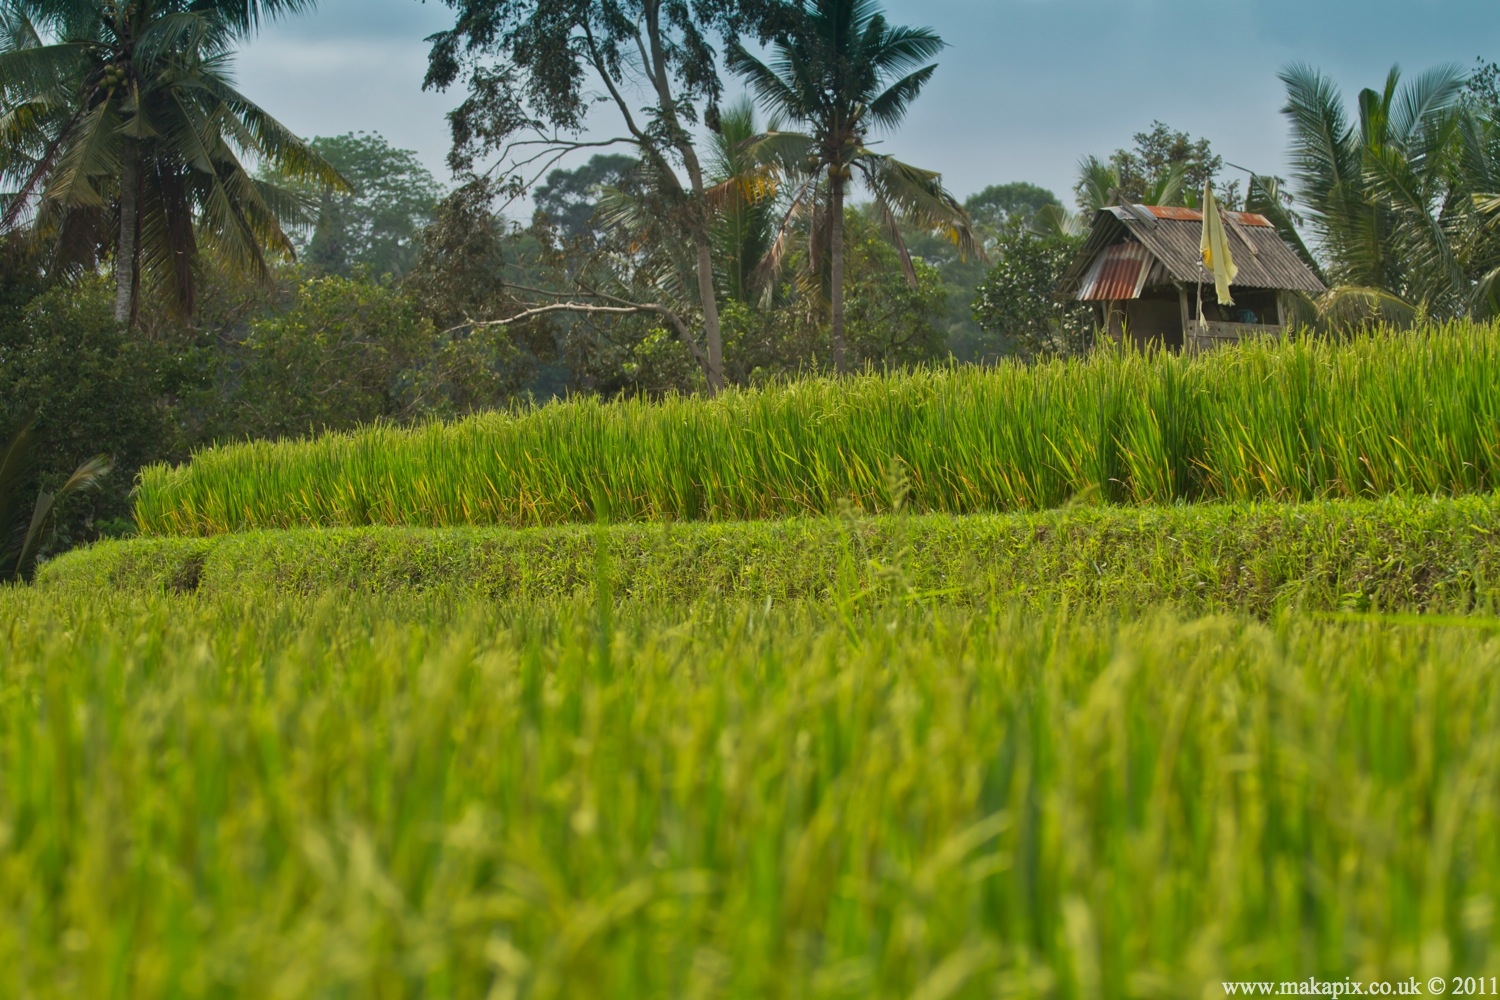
(121, 133)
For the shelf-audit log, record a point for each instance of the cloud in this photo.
(334, 72)
(1026, 88)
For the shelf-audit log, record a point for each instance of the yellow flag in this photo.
(1215, 247)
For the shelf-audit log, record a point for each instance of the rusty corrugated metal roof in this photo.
(1172, 235)
(1118, 273)
(1178, 214)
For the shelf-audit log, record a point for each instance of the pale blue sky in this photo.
(1026, 88)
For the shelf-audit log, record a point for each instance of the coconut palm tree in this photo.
(123, 131)
(1382, 193)
(744, 189)
(841, 72)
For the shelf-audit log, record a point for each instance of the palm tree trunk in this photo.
(711, 329)
(125, 250)
(836, 272)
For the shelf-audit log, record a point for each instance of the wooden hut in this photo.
(1141, 268)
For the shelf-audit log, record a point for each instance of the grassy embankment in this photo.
(338, 797)
(1394, 553)
(1393, 414)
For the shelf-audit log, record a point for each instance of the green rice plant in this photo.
(346, 797)
(1414, 413)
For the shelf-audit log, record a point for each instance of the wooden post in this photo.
(1182, 301)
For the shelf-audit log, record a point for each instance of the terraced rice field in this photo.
(1407, 414)
(1122, 678)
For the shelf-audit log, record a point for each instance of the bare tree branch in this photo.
(626, 308)
(525, 314)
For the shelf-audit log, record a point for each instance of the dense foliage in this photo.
(123, 134)
(90, 387)
(1398, 197)
(1014, 303)
(377, 223)
(1165, 166)
(840, 73)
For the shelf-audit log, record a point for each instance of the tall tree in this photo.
(569, 199)
(1016, 304)
(124, 130)
(377, 224)
(999, 203)
(531, 68)
(1163, 152)
(840, 71)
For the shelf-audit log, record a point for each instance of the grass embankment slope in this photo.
(1395, 553)
(339, 797)
(1398, 413)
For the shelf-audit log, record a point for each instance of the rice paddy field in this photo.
(1398, 413)
(919, 686)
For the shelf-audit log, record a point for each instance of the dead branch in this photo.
(624, 308)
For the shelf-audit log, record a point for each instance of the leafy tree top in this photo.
(378, 222)
(532, 64)
(1163, 159)
(570, 198)
(999, 203)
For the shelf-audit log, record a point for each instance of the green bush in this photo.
(1016, 306)
(351, 351)
(891, 322)
(92, 389)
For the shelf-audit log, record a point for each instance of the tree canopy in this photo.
(377, 223)
(531, 69)
(999, 203)
(123, 133)
(842, 72)
(569, 199)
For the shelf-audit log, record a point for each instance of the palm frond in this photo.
(279, 145)
(1168, 189)
(1055, 220)
(1349, 307)
(918, 197)
(42, 69)
(85, 476)
(771, 91)
(898, 49)
(889, 107)
(249, 16)
(1429, 96)
(1263, 196)
(1486, 300)
(1325, 162)
(92, 153)
(1098, 183)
